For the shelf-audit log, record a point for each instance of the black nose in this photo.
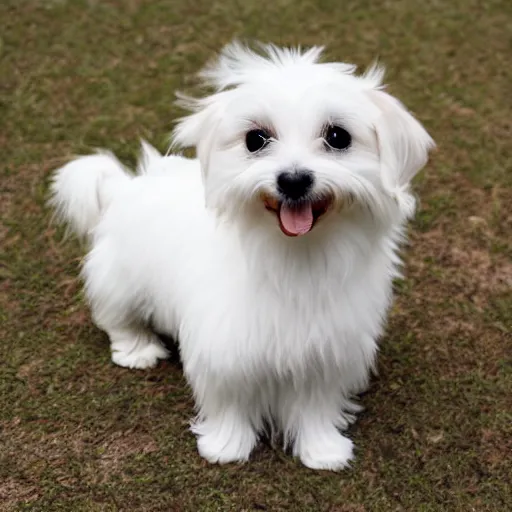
(295, 185)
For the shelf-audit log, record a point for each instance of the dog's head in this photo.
(288, 140)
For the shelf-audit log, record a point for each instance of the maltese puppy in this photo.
(270, 257)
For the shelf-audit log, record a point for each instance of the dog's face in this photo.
(287, 141)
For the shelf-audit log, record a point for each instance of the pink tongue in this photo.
(296, 221)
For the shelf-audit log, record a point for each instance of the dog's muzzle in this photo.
(295, 208)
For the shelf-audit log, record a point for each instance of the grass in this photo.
(78, 434)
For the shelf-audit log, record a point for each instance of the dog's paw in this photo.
(217, 447)
(220, 451)
(146, 356)
(334, 454)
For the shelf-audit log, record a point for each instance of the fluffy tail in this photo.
(82, 190)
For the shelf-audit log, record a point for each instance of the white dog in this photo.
(270, 257)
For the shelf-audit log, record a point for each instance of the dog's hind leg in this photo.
(133, 345)
(136, 347)
(117, 309)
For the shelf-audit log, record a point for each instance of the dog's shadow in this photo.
(172, 346)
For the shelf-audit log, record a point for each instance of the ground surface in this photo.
(78, 434)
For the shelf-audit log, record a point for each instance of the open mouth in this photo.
(298, 217)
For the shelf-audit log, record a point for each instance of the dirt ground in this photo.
(79, 434)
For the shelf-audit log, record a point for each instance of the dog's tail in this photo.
(82, 190)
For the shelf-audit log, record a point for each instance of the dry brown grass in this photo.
(79, 434)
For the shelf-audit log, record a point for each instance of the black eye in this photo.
(256, 139)
(337, 137)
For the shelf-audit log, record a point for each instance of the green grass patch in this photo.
(78, 434)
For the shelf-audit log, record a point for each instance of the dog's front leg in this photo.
(226, 425)
(312, 418)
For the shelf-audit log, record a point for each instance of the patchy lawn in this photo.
(78, 434)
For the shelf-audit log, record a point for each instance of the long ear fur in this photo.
(199, 128)
(191, 129)
(403, 142)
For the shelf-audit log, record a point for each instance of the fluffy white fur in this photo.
(273, 330)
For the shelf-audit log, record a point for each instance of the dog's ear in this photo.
(198, 128)
(191, 129)
(403, 142)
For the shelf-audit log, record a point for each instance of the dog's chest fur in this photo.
(285, 312)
